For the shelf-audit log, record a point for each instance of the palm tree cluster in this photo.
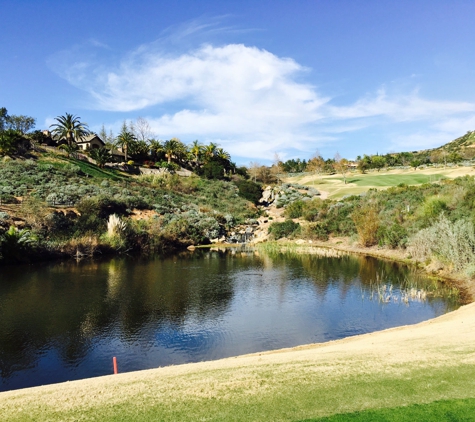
(209, 160)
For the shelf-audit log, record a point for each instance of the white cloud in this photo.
(247, 99)
(400, 108)
(421, 140)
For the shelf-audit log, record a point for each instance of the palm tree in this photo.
(174, 148)
(71, 149)
(224, 158)
(210, 151)
(156, 148)
(101, 156)
(70, 128)
(196, 150)
(125, 140)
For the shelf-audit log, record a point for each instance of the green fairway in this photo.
(439, 411)
(334, 186)
(387, 180)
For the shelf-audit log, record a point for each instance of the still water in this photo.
(66, 321)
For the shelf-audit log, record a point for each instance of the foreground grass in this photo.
(446, 410)
(296, 395)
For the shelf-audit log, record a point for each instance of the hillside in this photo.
(55, 206)
(461, 145)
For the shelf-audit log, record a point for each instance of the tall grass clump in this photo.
(452, 243)
(366, 219)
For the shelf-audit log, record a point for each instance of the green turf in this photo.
(392, 179)
(446, 410)
(90, 169)
(296, 395)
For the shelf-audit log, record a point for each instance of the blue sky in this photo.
(257, 77)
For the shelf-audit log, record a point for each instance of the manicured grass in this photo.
(358, 183)
(387, 180)
(94, 171)
(439, 411)
(298, 391)
(88, 168)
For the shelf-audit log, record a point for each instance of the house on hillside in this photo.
(91, 141)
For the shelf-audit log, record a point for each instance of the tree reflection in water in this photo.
(57, 320)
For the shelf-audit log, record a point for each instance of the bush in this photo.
(294, 209)
(366, 220)
(95, 211)
(430, 209)
(249, 190)
(393, 236)
(451, 243)
(213, 170)
(286, 229)
(317, 231)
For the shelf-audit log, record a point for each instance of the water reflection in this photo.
(65, 321)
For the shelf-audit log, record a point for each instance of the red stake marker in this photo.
(114, 361)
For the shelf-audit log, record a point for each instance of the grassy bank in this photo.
(419, 364)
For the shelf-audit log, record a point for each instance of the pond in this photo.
(66, 321)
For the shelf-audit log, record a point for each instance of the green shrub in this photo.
(432, 207)
(393, 236)
(317, 231)
(294, 209)
(16, 244)
(249, 190)
(288, 228)
(213, 170)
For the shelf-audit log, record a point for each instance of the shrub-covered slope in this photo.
(63, 206)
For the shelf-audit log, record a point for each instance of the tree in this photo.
(174, 149)
(22, 124)
(209, 151)
(142, 129)
(125, 140)
(364, 164)
(378, 162)
(341, 165)
(454, 157)
(415, 163)
(253, 169)
(103, 134)
(156, 149)
(276, 168)
(70, 128)
(139, 150)
(224, 158)
(196, 150)
(3, 118)
(316, 163)
(101, 156)
(9, 141)
(70, 149)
